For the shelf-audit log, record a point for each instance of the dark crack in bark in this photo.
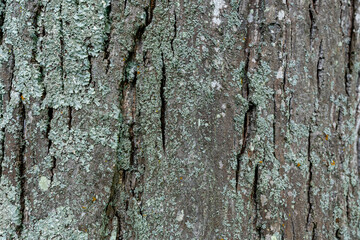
(320, 68)
(254, 197)
(48, 129)
(352, 35)
(35, 19)
(310, 179)
(2, 19)
(62, 49)
(90, 68)
(247, 118)
(163, 104)
(70, 112)
(108, 30)
(21, 169)
(313, 235)
(313, 26)
(128, 179)
(175, 33)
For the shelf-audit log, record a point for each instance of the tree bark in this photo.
(159, 119)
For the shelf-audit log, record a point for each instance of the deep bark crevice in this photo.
(90, 68)
(2, 20)
(127, 97)
(320, 68)
(313, 235)
(337, 234)
(310, 179)
(70, 112)
(118, 230)
(21, 169)
(247, 117)
(352, 33)
(313, 26)
(35, 19)
(163, 104)
(315, 5)
(175, 33)
(254, 197)
(62, 49)
(108, 27)
(2, 145)
(248, 121)
(48, 129)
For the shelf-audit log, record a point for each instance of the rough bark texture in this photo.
(179, 119)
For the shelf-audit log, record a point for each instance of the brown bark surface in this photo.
(156, 119)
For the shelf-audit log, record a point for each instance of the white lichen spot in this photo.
(223, 106)
(280, 73)
(218, 5)
(357, 17)
(281, 15)
(223, 114)
(44, 183)
(221, 165)
(180, 216)
(251, 16)
(263, 200)
(273, 237)
(215, 84)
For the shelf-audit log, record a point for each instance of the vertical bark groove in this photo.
(320, 68)
(70, 112)
(313, 26)
(108, 28)
(348, 70)
(2, 19)
(175, 33)
(309, 182)
(163, 103)
(21, 169)
(254, 198)
(62, 49)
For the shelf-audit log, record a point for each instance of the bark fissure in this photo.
(108, 26)
(62, 49)
(247, 118)
(90, 69)
(2, 144)
(48, 129)
(2, 20)
(313, 236)
(348, 70)
(175, 33)
(254, 197)
(70, 112)
(309, 182)
(315, 5)
(127, 177)
(320, 68)
(21, 170)
(312, 25)
(163, 104)
(337, 234)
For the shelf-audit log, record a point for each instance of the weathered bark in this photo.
(149, 119)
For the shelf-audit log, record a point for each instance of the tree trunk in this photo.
(178, 119)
